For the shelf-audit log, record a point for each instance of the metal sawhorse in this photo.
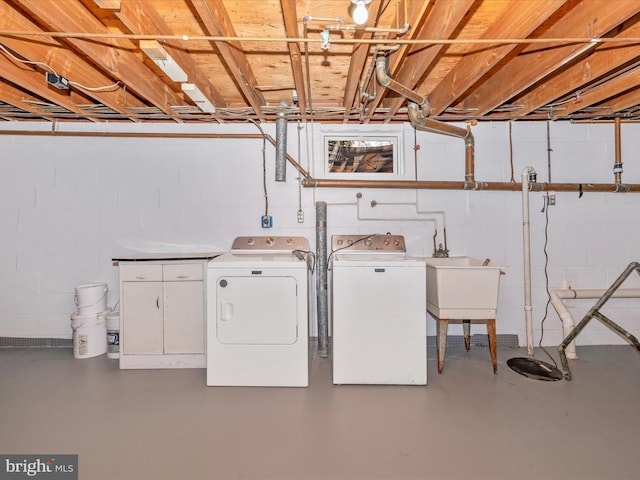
(595, 312)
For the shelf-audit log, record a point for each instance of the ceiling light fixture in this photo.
(201, 101)
(360, 14)
(162, 58)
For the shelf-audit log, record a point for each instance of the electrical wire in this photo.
(96, 89)
(27, 62)
(308, 256)
(546, 274)
(545, 209)
(51, 70)
(362, 239)
(264, 166)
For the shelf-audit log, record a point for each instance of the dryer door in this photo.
(257, 310)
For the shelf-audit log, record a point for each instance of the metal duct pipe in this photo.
(281, 147)
(321, 279)
(422, 122)
(386, 81)
(419, 109)
(526, 243)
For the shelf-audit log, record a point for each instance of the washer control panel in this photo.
(368, 243)
(268, 244)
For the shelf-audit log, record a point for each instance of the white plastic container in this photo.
(89, 335)
(91, 298)
(113, 334)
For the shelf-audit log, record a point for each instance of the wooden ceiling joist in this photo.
(214, 17)
(473, 60)
(518, 20)
(114, 56)
(537, 61)
(290, 18)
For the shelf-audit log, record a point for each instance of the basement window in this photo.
(361, 155)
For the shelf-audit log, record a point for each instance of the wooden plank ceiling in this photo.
(485, 60)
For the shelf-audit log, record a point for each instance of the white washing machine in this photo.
(257, 314)
(378, 311)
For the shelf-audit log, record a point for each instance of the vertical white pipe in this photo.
(526, 250)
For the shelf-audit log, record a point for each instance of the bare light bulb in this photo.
(360, 13)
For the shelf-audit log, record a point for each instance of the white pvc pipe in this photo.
(568, 324)
(526, 250)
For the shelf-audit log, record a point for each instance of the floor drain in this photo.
(536, 369)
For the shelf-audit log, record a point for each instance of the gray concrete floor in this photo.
(467, 423)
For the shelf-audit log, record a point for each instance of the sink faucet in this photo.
(441, 252)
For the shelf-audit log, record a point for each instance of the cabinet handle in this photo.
(158, 302)
(183, 276)
(140, 278)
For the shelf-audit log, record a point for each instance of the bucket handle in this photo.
(75, 300)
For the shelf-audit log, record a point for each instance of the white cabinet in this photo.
(162, 314)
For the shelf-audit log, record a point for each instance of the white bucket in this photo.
(113, 334)
(91, 298)
(89, 335)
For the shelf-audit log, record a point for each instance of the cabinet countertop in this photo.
(166, 256)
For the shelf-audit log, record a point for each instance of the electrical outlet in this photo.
(549, 198)
(266, 221)
(300, 216)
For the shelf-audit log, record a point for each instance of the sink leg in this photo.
(442, 325)
(466, 329)
(491, 330)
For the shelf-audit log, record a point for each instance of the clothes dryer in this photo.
(257, 313)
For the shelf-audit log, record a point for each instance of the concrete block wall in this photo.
(69, 204)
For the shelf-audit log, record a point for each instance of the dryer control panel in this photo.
(269, 244)
(375, 243)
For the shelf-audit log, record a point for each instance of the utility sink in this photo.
(462, 288)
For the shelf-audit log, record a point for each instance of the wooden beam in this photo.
(15, 97)
(290, 17)
(601, 62)
(625, 101)
(64, 62)
(216, 22)
(141, 17)
(518, 20)
(538, 61)
(115, 56)
(359, 56)
(442, 21)
(30, 80)
(600, 93)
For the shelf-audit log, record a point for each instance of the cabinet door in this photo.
(142, 312)
(184, 317)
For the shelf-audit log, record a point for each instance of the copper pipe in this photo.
(311, 182)
(617, 165)
(449, 185)
(56, 133)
